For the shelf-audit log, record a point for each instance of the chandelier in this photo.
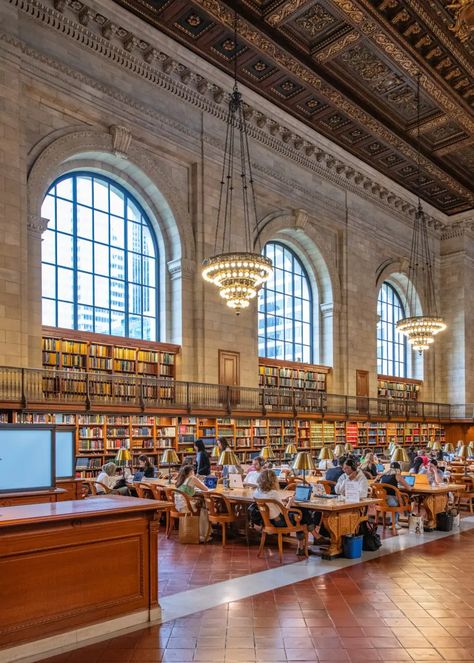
(421, 329)
(238, 275)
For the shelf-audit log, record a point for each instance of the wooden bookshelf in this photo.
(402, 389)
(296, 382)
(107, 359)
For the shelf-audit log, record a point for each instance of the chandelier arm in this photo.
(252, 190)
(230, 186)
(223, 189)
(243, 173)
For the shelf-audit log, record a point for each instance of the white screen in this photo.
(26, 459)
(65, 466)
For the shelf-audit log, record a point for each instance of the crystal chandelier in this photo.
(238, 275)
(421, 329)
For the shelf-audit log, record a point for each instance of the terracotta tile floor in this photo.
(416, 605)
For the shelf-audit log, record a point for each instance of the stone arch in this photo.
(394, 271)
(293, 228)
(115, 154)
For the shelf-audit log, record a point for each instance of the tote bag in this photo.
(189, 529)
(415, 525)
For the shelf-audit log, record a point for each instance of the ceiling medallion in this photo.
(420, 330)
(238, 275)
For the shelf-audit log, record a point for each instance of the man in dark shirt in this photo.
(334, 473)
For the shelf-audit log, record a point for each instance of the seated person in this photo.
(187, 482)
(268, 488)
(254, 471)
(393, 477)
(435, 477)
(351, 472)
(420, 461)
(326, 464)
(109, 478)
(333, 473)
(369, 466)
(145, 469)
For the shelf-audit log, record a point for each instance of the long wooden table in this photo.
(32, 496)
(434, 500)
(339, 517)
(67, 565)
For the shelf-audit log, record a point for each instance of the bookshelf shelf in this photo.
(296, 382)
(402, 389)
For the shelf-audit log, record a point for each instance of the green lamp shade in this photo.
(123, 456)
(291, 450)
(267, 453)
(400, 456)
(215, 452)
(303, 461)
(228, 457)
(169, 457)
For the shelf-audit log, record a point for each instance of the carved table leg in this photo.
(338, 525)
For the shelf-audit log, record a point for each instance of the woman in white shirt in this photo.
(268, 488)
(107, 477)
(351, 472)
(254, 472)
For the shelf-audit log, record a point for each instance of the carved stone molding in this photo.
(181, 268)
(208, 98)
(37, 224)
(301, 218)
(327, 309)
(458, 229)
(121, 139)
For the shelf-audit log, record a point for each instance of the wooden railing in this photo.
(26, 388)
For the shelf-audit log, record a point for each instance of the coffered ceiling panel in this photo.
(348, 69)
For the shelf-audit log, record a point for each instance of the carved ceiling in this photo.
(347, 68)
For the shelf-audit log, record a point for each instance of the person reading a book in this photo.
(188, 483)
(109, 478)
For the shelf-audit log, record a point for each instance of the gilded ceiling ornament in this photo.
(280, 14)
(315, 20)
(336, 47)
(464, 16)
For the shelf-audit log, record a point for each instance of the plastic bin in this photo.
(352, 546)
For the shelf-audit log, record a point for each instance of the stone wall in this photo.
(76, 94)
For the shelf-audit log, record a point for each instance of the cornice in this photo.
(458, 229)
(161, 69)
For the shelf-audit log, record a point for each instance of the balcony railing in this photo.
(26, 388)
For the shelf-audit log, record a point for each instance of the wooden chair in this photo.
(220, 511)
(292, 483)
(466, 497)
(380, 492)
(269, 528)
(91, 487)
(328, 485)
(143, 490)
(159, 493)
(174, 513)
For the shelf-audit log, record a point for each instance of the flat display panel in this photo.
(65, 447)
(26, 458)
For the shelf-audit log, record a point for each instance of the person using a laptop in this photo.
(393, 477)
(268, 488)
(369, 466)
(254, 472)
(352, 472)
(333, 473)
(431, 470)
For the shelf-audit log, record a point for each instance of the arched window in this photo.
(391, 346)
(285, 308)
(99, 259)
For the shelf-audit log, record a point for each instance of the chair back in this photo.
(91, 487)
(158, 492)
(217, 504)
(190, 507)
(328, 485)
(378, 491)
(263, 507)
(143, 490)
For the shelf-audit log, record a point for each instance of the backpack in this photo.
(371, 540)
(255, 516)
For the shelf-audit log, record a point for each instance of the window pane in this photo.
(391, 346)
(96, 230)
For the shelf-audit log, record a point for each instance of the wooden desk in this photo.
(31, 497)
(434, 500)
(71, 564)
(339, 518)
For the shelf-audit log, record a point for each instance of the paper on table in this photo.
(352, 491)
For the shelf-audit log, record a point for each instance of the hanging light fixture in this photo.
(421, 329)
(238, 275)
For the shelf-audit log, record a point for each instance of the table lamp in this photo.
(429, 444)
(325, 454)
(267, 453)
(215, 451)
(122, 458)
(436, 446)
(227, 458)
(291, 450)
(169, 457)
(399, 455)
(448, 448)
(303, 461)
(470, 446)
(339, 450)
(463, 452)
(348, 448)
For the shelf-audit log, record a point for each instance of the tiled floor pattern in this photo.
(416, 605)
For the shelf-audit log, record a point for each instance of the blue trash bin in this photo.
(352, 546)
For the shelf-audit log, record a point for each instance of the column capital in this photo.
(37, 224)
(181, 268)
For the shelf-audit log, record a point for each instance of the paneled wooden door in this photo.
(362, 389)
(229, 375)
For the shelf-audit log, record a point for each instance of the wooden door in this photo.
(229, 375)
(362, 389)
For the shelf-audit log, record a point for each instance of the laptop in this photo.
(303, 492)
(421, 480)
(210, 482)
(235, 481)
(380, 467)
(277, 471)
(410, 479)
